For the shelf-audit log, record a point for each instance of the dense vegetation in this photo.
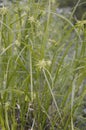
(42, 68)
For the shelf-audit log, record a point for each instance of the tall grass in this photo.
(42, 69)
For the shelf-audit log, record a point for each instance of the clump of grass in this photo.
(42, 69)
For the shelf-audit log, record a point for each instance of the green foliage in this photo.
(42, 69)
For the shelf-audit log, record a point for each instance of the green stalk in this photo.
(45, 38)
(31, 76)
(6, 119)
(72, 103)
(54, 100)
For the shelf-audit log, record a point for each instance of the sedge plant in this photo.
(42, 68)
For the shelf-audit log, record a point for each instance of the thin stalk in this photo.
(54, 100)
(31, 76)
(6, 74)
(6, 26)
(6, 49)
(6, 118)
(72, 103)
(46, 30)
(75, 7)
(20, 53)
